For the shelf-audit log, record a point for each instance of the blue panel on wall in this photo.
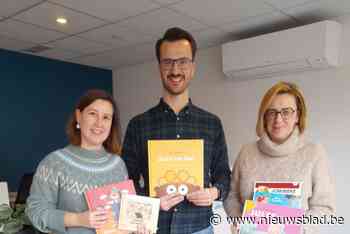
(37, 96)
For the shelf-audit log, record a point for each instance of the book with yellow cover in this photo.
(175, 166)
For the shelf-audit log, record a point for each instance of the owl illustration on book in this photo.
(176, 182)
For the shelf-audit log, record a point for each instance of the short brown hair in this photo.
(113, 142)
(176, 34)
(282, 88)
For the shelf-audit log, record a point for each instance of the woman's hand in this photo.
(88, 219)
(93, 219)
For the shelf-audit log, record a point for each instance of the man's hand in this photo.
(203, 197)
(170, 200)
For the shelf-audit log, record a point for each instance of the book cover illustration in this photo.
(175, 166)
(278, 193)
(270, 219)
(108, 197)
(139, 210)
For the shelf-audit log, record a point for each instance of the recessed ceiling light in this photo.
(61, 20)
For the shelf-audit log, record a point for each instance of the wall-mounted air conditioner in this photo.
(313, 46)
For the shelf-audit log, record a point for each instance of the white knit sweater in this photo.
(294, 160)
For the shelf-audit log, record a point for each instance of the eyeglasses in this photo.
(286, 113)
(182, 63)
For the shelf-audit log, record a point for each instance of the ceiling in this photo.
(117, 33)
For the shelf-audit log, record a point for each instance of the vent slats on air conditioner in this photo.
(314, 46)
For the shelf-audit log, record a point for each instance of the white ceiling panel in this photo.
(119, 57)
(222, 11)
(319, 10)
(14, 44)
(210, 37)
(56, 53)
(166, 2)
(274, 21)
(102, 61)
(79, 44)
(45, 15)
(117, 35)
(156, 22)
(282, 4)
(28, 32)
(10, 7)
(111, 10)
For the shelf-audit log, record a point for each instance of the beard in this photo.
(175, 90)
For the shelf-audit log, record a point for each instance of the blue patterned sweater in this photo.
(60, 181)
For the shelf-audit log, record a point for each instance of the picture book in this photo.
(175, 166)
(270, 219)
(108, 197)
(139, 210)
(278, 193)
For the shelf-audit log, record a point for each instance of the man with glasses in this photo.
(176, 117)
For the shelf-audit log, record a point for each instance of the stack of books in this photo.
(125, 209)
(275, 209)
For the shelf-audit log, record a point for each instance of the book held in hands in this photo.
(278, 193)
(139, 210)
(175, 166)
(275, 209)
(108, 197)
(270, 219)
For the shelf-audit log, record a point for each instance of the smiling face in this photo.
(95, 123)
(176, 78)
(279, 128)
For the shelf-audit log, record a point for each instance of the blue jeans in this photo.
(208, 230)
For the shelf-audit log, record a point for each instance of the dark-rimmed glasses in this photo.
(286, 113)
(182, 63)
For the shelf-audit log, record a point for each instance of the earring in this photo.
(78, 126)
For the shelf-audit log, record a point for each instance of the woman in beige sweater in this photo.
(283, 154)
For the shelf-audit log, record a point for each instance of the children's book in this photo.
(139, 210)
(278, 193)
(270, 219)
(175, 166)
(108, 197)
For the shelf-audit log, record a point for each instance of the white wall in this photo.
(327, 92)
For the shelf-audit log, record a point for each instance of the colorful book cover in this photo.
(139, 210)
(270, 219)
(278, 193)
(175, 166)
(108, 197)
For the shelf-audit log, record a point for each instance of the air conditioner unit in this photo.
(313, 46)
